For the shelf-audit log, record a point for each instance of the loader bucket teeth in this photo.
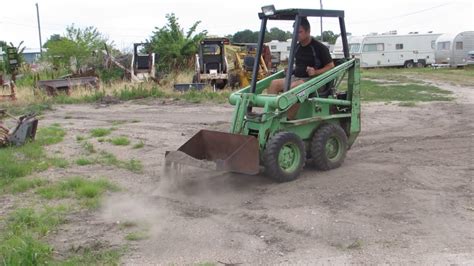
(219, 151)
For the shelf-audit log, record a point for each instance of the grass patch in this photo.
(120, 141)
(85, 190)
(136, 236)
(80, 138)
(94, 257)
(375, 91)
(139, 145)
(84, 161)
(16, 162)
(132, 165)
(23, 184)
(107, 158)
(50, 135)
(139, 92)
(21, 243)
(89, 147)
(100, 132)
(59, 162)
(28, 107)
(458, 76)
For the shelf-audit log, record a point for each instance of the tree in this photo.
(277, 34)
(52, 38)
(77, 45)
(248, 36)
(174, 47)
(245, 36)
(328, 36)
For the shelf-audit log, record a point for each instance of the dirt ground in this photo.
(405, 193)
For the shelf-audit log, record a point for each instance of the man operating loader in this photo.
(312, 58)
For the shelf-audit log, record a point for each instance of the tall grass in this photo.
(34, 100)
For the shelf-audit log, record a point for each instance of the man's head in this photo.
(304, 32)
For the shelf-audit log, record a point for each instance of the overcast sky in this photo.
(126, 22)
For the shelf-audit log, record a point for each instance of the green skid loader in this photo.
(261, 135)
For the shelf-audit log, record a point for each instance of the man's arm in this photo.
(315, 72)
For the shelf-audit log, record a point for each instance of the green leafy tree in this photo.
(328, 36)
(53, 38)
(175, 48)
(245, 36)
(277, 34)
(248, 36)
(78, 44)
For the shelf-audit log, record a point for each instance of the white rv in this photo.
(452, 49)
(282, 48)
(384, 50)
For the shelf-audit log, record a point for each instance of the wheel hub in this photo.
(288, 158)
(333, 148)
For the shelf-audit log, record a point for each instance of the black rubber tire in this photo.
(421, 64)
(234, 81)
(195, 78)
(219, 83)
(272, 152)
(318, 146)
(409, 64)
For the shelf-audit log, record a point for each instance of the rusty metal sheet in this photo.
(54, 85)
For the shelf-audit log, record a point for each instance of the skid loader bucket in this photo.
(218, 151)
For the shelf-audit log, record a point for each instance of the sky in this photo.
(126, 22)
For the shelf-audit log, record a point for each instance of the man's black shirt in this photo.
(315, 54)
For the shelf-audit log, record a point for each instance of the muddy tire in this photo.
(284, 157)
(328, 147)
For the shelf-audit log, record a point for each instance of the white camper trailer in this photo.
(282, 48)
(452, 49)
(385, 50)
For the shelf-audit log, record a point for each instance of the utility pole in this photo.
(39, 28)
(321, 19)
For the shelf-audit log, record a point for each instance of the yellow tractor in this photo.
(243, 56)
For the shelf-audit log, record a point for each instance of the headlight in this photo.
(268, 10)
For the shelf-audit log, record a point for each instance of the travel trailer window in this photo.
(459, 46)
(433, 44)
(273, 47)
(443, 45)
(288, 48)
(373, 47)
(354, 48)
(399, 46)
